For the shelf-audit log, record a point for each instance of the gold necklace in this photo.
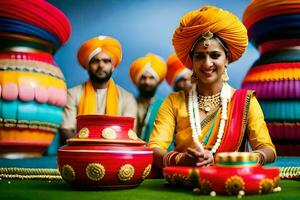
(207, 103)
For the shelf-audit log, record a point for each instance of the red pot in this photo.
(104, 166)
(233, 172)
(117, 159)
(96, 124)
(231, 180)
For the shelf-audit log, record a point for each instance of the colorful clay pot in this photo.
(275, 74)
(104, 166)
(32, 87)
(235, 173)
(105, 154)
(105, 127)
(31, 105)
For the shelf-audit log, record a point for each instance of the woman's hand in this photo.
(193, 157)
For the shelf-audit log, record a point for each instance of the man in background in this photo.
(99, 95)
(178, 76)
(147, 73)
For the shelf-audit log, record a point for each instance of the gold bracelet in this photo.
(178, 158)
(261, 156)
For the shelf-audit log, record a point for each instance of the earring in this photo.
(225, 76)
(194, 78)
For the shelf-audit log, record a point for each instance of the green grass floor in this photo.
(152, 189)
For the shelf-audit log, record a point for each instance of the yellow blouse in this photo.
(173, 119)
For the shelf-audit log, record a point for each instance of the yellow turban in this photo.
(208, 18)
(151, 63)
(176, 69)
(95, 45)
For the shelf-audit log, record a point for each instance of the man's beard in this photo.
(146, 92)
(97, 79)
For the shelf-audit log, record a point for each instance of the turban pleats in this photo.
(222, 23)
(90, 48)
(151, 63)
(175, 69)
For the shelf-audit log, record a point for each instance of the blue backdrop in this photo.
(141, 26)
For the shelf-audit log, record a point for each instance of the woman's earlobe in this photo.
(194, 78)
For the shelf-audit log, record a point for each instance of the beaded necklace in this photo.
(193, 109)
(207, 103)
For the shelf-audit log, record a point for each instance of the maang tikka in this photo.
(207, 36)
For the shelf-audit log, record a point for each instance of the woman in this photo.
(211, 117)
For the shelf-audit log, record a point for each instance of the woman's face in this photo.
(209, 62)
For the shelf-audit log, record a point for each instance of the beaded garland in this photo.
(193, 110)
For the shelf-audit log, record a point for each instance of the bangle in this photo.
(261, 157)
(169, 158)
(178, 158)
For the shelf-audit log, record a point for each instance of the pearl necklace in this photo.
(195, 120)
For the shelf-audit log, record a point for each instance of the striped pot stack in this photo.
(274, 28)
(32, 87)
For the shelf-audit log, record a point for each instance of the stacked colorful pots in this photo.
(32, 87)
(274, 27)
(106, 153)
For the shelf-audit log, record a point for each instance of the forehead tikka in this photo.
(207, 36)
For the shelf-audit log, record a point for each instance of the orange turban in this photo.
(150, 63)
(208, 18)
(95, 45)
(176, 69)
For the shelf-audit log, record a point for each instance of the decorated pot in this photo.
(106, 128)
(33, 90)
(235, 173)
(33, 93)
(106, 153)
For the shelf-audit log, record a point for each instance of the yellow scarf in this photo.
(87, 104)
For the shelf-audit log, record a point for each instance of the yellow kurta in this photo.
(173, 118)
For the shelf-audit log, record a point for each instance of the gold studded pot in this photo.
(239, 172)
(105, 153)
(235, 173)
